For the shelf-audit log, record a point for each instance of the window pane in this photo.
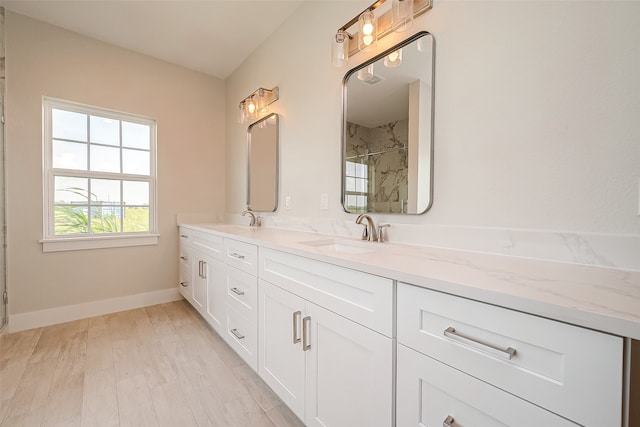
(69, 155)
(136, 162)
(105, 219)
(135, 135)
(350, 184)
(361, 170)
(135, 193)
(71, 219)
(104, 131)
(136, 219)
(69, 190)
(105, 192)
(105, 159)
(351, 169)
(69, 125)
(361, 185)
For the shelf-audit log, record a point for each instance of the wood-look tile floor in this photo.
(154, 366)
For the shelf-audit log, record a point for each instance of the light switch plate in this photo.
(324, 201)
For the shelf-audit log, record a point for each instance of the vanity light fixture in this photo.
(372, 28)
(257, 104)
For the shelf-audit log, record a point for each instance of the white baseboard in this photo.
(52, 316)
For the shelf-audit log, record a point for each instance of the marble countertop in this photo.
(599, 298)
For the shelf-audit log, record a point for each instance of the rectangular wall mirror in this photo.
(262, 169)
(387, 140)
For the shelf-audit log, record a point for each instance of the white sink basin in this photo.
(344, 246)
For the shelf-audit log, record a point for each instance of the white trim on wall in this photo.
(52, 316)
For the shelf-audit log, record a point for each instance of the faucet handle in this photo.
(380, 234)
(365, 231)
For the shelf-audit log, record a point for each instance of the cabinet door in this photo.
(199, 282)
(215, 281)
(281, 362)
(348, 372)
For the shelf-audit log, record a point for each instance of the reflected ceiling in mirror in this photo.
(262, 169)
(387, 140)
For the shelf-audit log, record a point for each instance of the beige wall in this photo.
(536, 113)
(44, 60)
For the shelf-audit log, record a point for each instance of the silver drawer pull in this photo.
(236, 255)
(507, 353)
(184, 284)
(450, 422)
(296, 329)
(237, 291)
(237, 334)
(306, 333)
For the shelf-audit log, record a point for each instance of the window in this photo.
(356, 186)
(99, 180)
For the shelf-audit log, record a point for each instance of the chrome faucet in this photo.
(254, 222)
(369, 232)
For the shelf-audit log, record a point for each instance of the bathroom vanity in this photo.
(353, 333)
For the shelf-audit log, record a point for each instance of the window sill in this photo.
(97, 242)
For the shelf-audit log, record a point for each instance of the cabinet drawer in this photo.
(361, 297)
(429, 392)
(207, 243)
(242, 336)
(242, 292)
(243, 256)
(571, 371)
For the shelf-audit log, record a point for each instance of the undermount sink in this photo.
(337, 245)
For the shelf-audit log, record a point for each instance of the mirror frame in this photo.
(277, 162)
(345, 81)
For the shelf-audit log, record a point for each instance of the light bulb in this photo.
(393, 59)
(250, 108)
(368, 32)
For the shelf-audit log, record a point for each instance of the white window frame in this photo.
(54, 243)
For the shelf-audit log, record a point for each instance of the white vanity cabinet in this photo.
(326, 362)
(516, 363)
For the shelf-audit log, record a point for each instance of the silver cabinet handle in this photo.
(236, 255)
(507, 353)
(184, 284)
(450, 422)
(204, 269)
(296, 329)
(306, 332)
(237, 334)
(199, 268)
(237, 291)
(184, 236)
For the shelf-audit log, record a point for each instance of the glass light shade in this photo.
(262, 103)
(401, 15)
(368, 32)
(393, 59)
(251, 108)
(365, 74)
(241, 117)
(340, 49)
